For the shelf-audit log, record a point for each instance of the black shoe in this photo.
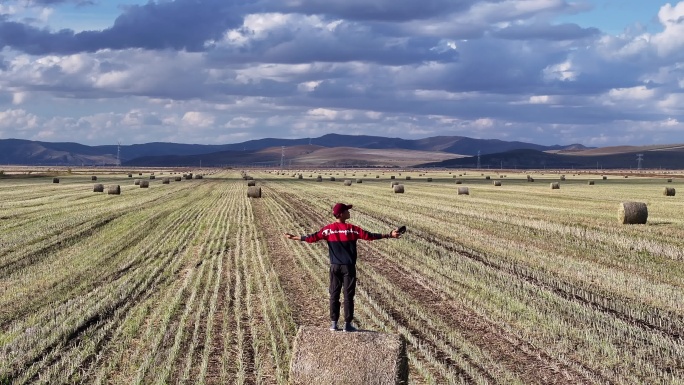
(349, 328)
(333, 326)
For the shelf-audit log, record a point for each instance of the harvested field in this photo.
(194, 282)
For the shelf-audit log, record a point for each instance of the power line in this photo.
(640, 157)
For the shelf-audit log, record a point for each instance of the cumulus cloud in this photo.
(207, 70)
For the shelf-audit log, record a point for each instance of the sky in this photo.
(593, 72)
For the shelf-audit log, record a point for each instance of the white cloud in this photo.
(198, 119)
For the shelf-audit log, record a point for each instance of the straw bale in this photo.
(669, 181)
(253, 192)
(130, 175)
(144, 183)
(392, 184)
(178, 179)
(364, 357)
(429, 179)
(55, 180)
(497, 183)
(347, 182)
(98, 188)
(408, 177)
(459, 182)
(199, 176)
(399, 189)
(488, 177)
(332, 178)
(463, 191)
(591, 183)
(392, 177)
(300, 176)
(319, 179)
(136, 182)
(605, 177)
(152, 177)
(669, 191)
(93, 177)
(251, 183)
(114, 189)
(555, 185)
(359, 181)
(631, 213)
(166, 180)
(562, 177)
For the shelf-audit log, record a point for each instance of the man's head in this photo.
(341, 211)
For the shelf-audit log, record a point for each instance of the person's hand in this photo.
(395, 234)
(290, 236)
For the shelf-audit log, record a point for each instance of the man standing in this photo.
(341, 237)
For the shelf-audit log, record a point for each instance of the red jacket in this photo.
(341, 238)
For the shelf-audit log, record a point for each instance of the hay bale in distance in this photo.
(359, 181)
(114, 189)
(253, 192)
(669, 181)
(555, 186)
(98, 188)
(633, 213)
(319, 179)
(399, 189)
(130, 175)
(166, 180)
(463, 191)
(251, 183)
(604, 177)
(178, 179)
(376, 358)
(93, 177)
(392, 184)
(669, 191)
(136, 182)
(562, 177)
(347, 182)
(300, 176)
(591, 183)
(55, 180)
(332, 178)
(152, 177)
(530, 180)
(497, 183)
(429, 179)
(144, 184)
(392, 177)
(488, 177)
(408, 177)
(459, 182)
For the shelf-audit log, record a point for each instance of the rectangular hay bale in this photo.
(321, 356)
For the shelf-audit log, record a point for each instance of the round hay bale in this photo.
(332, 178)
(555, 186)
(178, 179)
(136, 182)
(604, 177)
(429, 179)
(399, 189)
(497, 183)
(669, 191)
(633, 213)
(359, 181)
(392, 177)
(55, 180)
(459, 182)
(253, 192)
(98, 188)
(144, 184)
(139, 173)
(93, 177)
(488, 177)
(408, 177)
(669, 181)
(319, 179)
(300, 176)
(463, 191)
(348, 182)
(626, 176)
(376, 358)
(377, 176)
(530, 179)
(251, 183)
(591, 183)
(199, 176)
(152, 177)
(166, 180)
(114, 189)
(392, 184)
(562, 177)
(130, 175)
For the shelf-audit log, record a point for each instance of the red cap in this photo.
(339, 208)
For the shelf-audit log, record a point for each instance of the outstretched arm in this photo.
(294, 237)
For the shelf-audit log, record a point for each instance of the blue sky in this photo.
(595, 72)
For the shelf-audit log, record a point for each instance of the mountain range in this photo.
(334, 150)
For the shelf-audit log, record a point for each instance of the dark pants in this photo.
(342, 276)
